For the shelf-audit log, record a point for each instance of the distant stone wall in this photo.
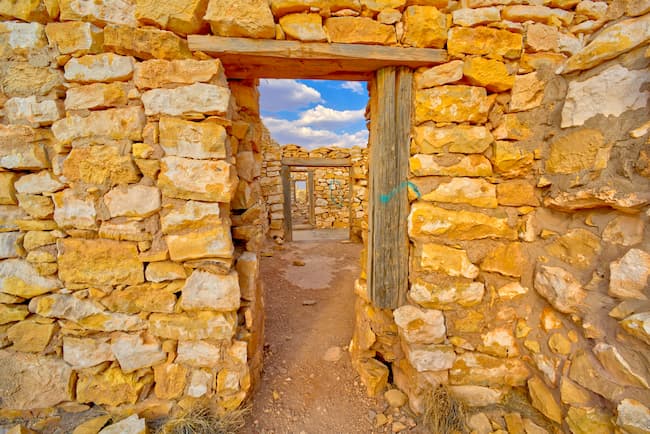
(134, 200)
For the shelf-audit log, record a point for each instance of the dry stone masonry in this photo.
(137, 182)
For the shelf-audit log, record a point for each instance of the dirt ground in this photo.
(310, 312)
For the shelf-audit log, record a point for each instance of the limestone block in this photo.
(9, 217)
(10, 245)
(430, 357)
(466, 139)
(99, 165)
(134, 352)
(156, 73)
(420, 326)
(624, 230)
(510, 159)
(190, 215)
(63, 306)
(200, 383)
(198, 140)
(31, 381)
(482, 370)
(198, 354)
(578, 247)
(427, 220)
(304, 27)
(584, 149)
(507, 259)
(241, 18)
(111, 387)
(29, 111)
(142, 298)
(543, 14)
(99, 262)
(248, 269)
(131, 425)
(374, 375)
(203, 180)
(97, 95)
(475, 192)
(83, 353)
(543, 399)
(205, 290)
(164, 271)
(112, 322)
(132, 201)
(425, 26)
(7, 188)
(38, 207)
(489, 73)
(180, 17)
(610, 93)
(12, 313)
(193, 325)
(359, 30)
(443, 259)
(99, 12)
(467, 17)
(145, 43)
(31, 335)
(23, 79)
(597, 198)
(75, 38)
(20, 278)
(452, 103)
(499, 342)
(527, 92)
(589, 420)
(438, 75)
(638, 325)
(283, 7)
(170, 380)
(38, 183)
(484, 41)
(633, 416)
(541, 37)
(517, 193)
(17, 150)
(202, 98)
(74, 211)
(105, 67)
(40, 11)
(446, 296)
(559, 288)
(214, 242)
(611, 42)
(634, 374)
(116, 124)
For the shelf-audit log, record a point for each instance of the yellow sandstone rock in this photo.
(304, 27)
(156, 73)
(359, 30)
(7, 190)
(374, 375)
(35, 10)
(438, 75)
(484, 41)
(199, 140)
(99, 13)
(97, 95)
(475, 192)
(488, 73)
(425, 26)
(145, 43)
(170, 380)
(457, 165)
(99, 262)
(584, 149)
(204, 180)
(440, 258)
(241, 18)
(207, 243)
(510, 159)
(193, 325)
(452, 103)
(464, 139)
(507, 259)
(527, 92)
(32, 335)
(75, 38)
(179, 17)
(92, 426)
(23, 79)
(143, 298)
(578, 247)
(589, 421)
(483, 370)
(111, 387)
(543, 399)
(11, 313)
(517, 193)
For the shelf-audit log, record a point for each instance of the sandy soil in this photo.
(310, 310)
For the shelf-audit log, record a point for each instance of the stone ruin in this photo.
(133, 207)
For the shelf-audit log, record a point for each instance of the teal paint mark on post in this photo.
(385, 198)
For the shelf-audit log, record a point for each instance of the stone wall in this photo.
(131, 215)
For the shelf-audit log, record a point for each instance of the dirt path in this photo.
(310, 310)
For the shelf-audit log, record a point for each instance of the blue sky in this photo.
(315, 113)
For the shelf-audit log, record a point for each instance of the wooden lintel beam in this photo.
(268, 58)
(317, 162)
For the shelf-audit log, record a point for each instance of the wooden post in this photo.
(350, 201)
(310, 198)
(285, 173)
(388, 245)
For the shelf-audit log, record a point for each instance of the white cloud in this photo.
(278, 95)
(325, 117)
(295, 132)
(354, 86)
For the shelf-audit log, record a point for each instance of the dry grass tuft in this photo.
(443, 414)
(205, 420)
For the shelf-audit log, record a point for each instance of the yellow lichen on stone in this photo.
(425, 26)
(484, 41)
(584, 149)
(359, 30)
(507, 259)
(111, 387)
(488, 73)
